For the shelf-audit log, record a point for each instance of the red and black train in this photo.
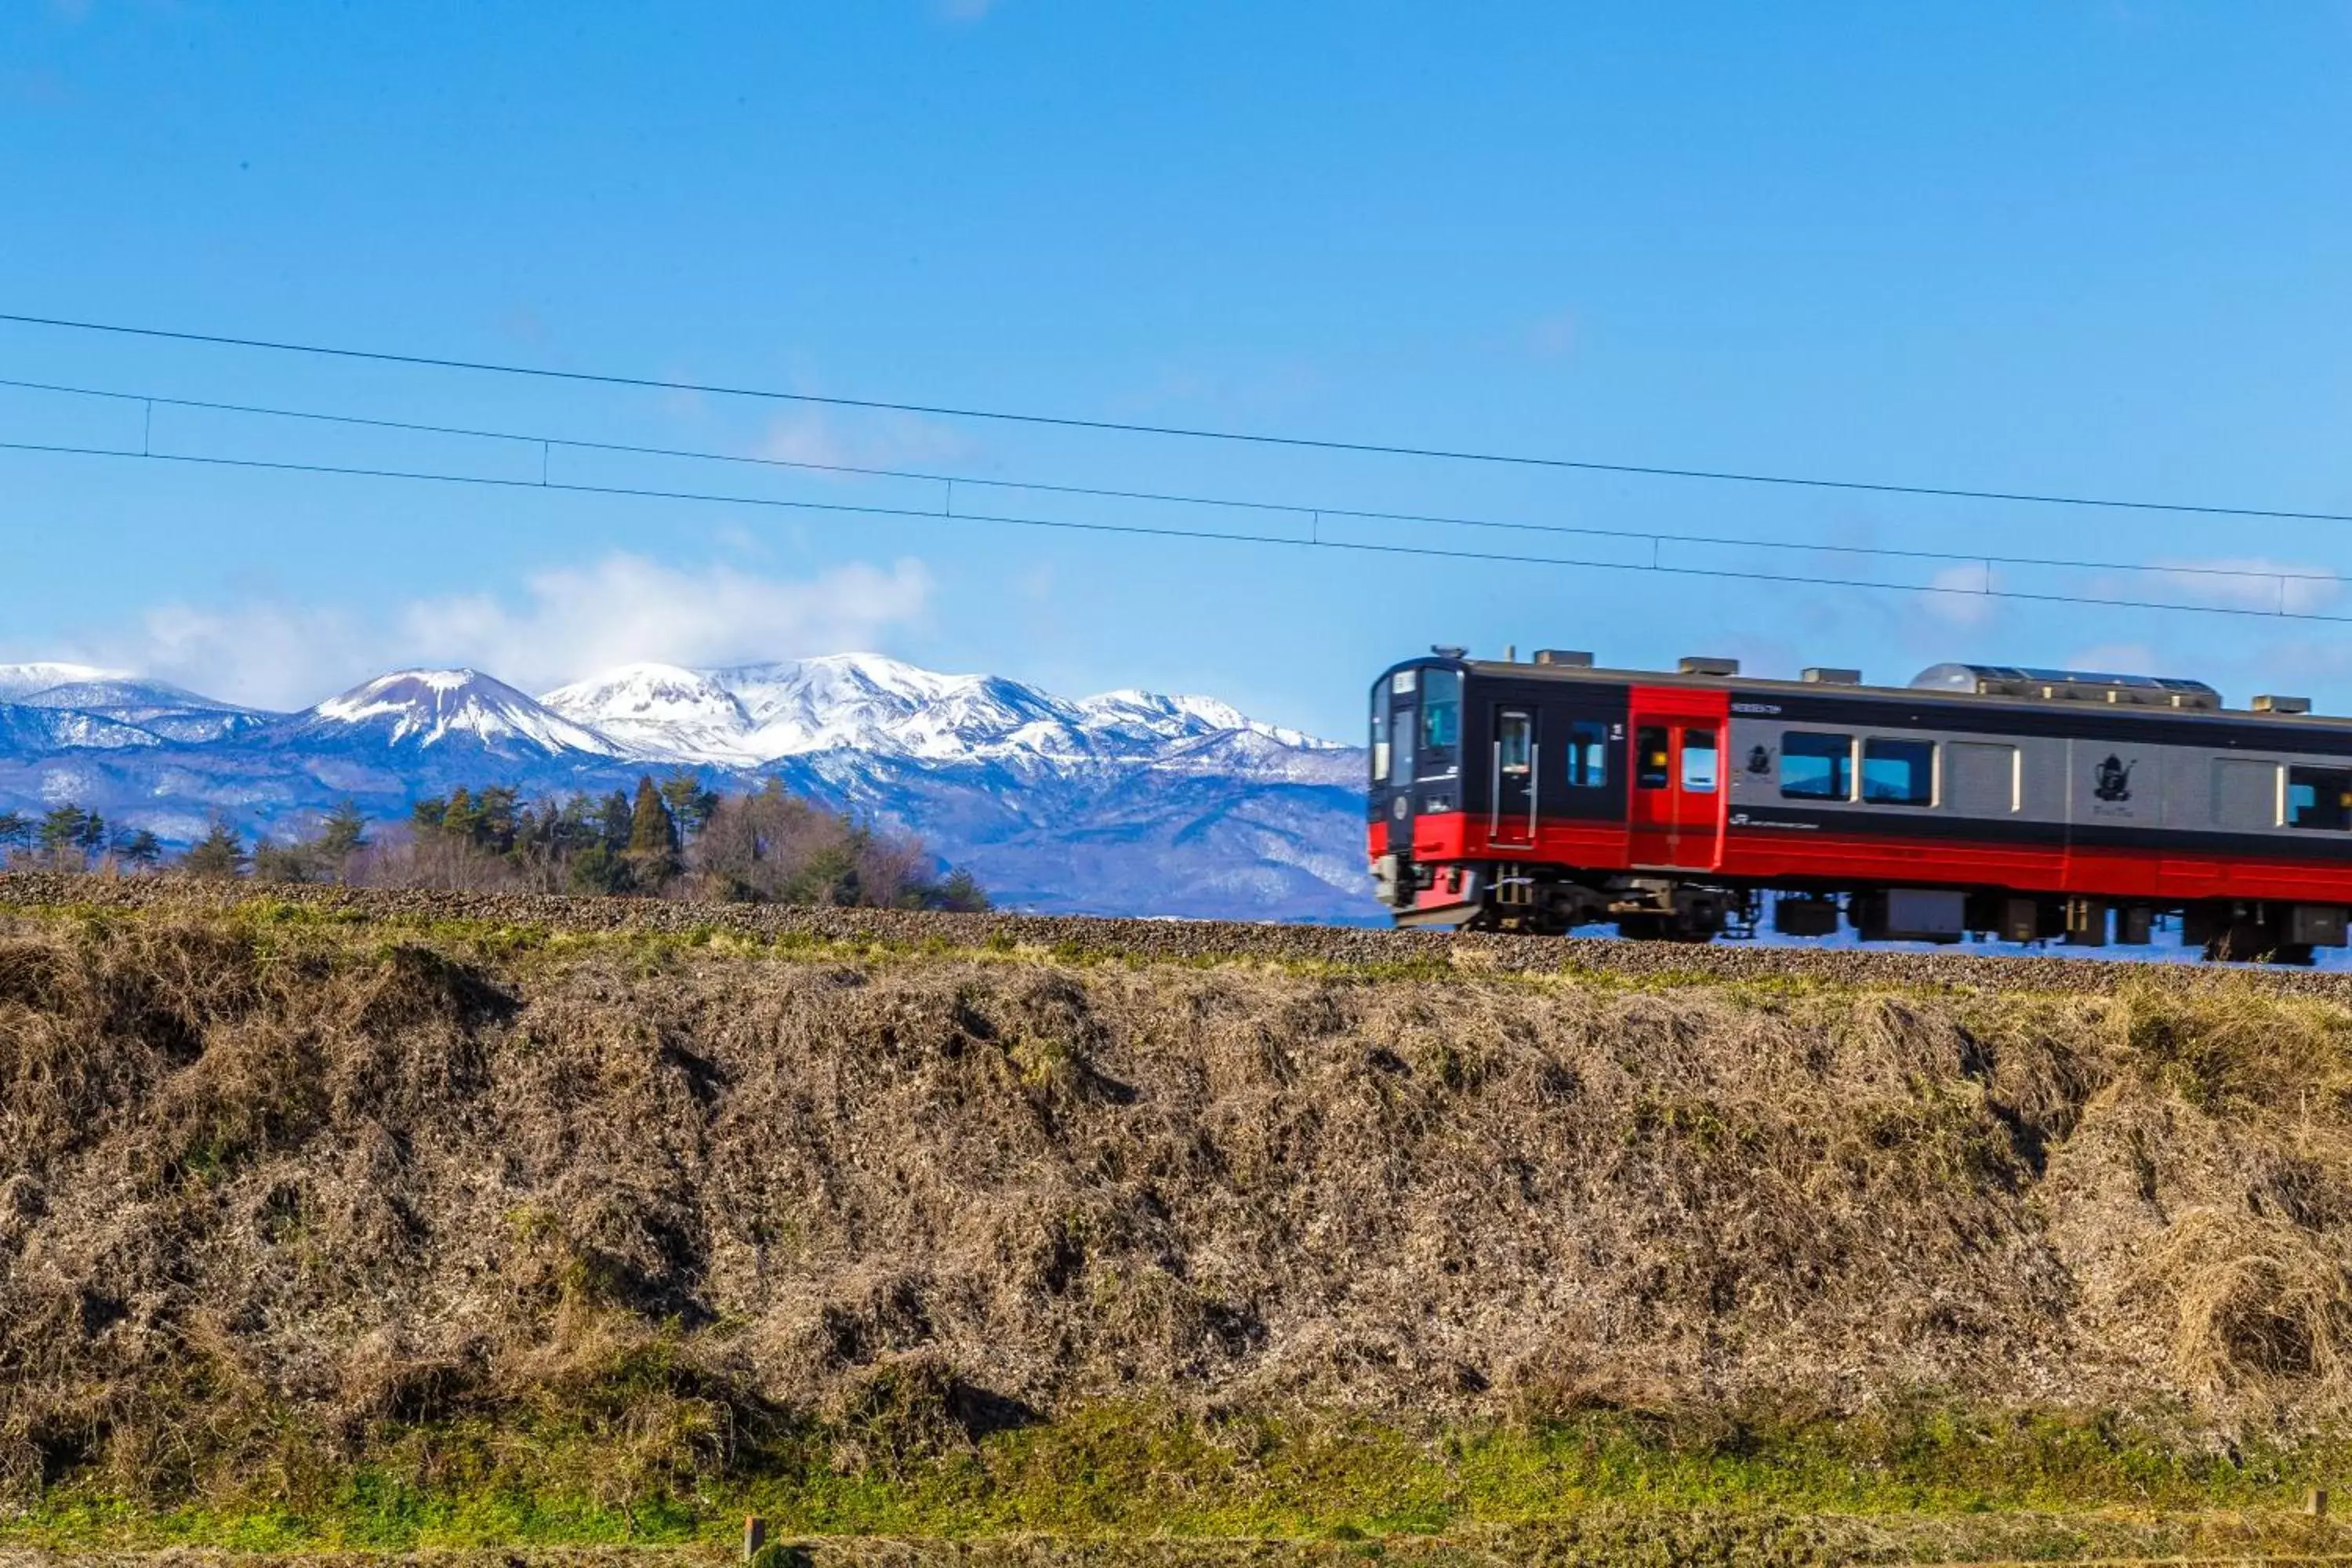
(2017, 804)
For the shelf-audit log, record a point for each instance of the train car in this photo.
(2022, 804)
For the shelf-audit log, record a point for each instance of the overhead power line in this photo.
(547, 484)
(1193, 433)
(948, 481)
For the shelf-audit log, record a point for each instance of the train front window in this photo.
(2319, 797)
(1441, 710)
(1401, 752)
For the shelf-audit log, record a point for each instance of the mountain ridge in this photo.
(1125, 801)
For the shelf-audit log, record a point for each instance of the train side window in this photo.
(1898, 772)
(1699, 762)
(2319, 797)
(1380, 732)
(1815, 766)
(1653, 764)
(1587, 754)
(2245, 794)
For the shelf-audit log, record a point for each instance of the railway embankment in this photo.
(392, 1222)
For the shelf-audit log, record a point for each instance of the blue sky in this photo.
(2095, 247)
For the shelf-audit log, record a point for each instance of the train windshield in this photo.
(1441, 710)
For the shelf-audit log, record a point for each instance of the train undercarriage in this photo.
(1553, 901)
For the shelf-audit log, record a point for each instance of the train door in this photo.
(1401, 698)
(1517, 774)
(1677, 793)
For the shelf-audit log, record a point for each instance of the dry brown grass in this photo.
(270, 1199)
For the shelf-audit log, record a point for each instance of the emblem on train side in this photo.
(2112, 780)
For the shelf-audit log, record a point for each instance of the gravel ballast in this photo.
(1086, 937)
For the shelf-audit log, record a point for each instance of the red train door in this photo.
(1676, 792)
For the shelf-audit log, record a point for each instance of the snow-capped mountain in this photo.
(1125, 802)
(661, 710)
(165, 712)
(18, 681)
(865, 703)
(25, 727)
(418, 708)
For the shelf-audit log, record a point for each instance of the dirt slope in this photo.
(274, 1191)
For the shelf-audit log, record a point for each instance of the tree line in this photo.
(69, 834)
(674, 838)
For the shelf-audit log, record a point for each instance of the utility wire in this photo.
(1192, 433)
(1138, 529)
(543, 442)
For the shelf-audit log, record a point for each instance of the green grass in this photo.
(1129, 1472)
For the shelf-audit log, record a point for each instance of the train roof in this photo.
(2022, 684)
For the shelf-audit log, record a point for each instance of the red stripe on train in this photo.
(1838, 860)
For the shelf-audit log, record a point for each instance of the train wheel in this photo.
(1663, 928)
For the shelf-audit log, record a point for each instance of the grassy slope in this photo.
(1901, 1275)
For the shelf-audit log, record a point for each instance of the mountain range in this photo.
(1128, 803)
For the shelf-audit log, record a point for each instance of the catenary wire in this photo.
(1145, 531)
(1647, 536)
(1194, 432)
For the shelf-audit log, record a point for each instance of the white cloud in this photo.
(574, 621)
(563, 623)
(1960, 598)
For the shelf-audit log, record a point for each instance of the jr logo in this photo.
(2112, 781)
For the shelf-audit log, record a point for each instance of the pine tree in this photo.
(613, 818)
(62, 829)
(139, 850)
(653, 837)
(690, 804)
(16, 828)
(651, 830)
(218, 856)
(499, 807)
(343, 832)
(960, 893)
(463, 818)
